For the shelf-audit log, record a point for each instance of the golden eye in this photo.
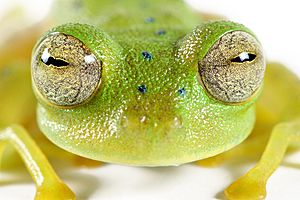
(64, 71)
(233, 68)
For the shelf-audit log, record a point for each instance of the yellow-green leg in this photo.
(49, 186)
(253, 184)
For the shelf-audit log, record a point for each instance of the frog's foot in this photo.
(253, 184)
(247, 187)
(54, 191)
(49, 186)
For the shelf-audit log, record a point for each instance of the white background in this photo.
(276, 24)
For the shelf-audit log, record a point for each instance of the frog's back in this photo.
(119, 15)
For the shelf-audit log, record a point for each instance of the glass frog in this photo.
(144, 83)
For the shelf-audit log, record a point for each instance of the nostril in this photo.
(177, 122)
(124, 121)
(143, 119)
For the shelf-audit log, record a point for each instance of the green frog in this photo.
(144, 83)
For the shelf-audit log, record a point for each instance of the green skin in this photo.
(160, 127)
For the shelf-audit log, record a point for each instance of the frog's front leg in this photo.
(49, 185)
(253, 184)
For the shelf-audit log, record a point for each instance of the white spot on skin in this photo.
(143, 119)
(177, 122)
(89, 59)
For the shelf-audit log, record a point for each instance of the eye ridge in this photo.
(55, 62)
(244, 57)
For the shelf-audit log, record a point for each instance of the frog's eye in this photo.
(233, 68)
(64, 71)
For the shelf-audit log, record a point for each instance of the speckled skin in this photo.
(163, 125)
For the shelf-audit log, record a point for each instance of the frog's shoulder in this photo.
(280, 99)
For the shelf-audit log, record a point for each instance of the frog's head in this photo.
(145, 99)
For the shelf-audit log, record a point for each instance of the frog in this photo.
(144, 83)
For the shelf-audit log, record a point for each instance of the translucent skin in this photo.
(161, 126)
(150, 109)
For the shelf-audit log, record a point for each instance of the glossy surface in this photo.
(280, 101)
(137, 116)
